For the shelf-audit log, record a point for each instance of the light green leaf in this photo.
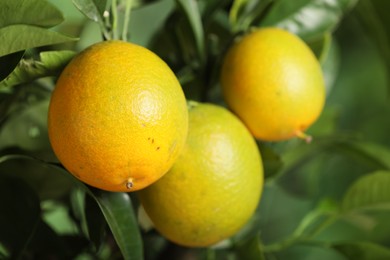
(369, 192)
(246, 13)
(93, 9)
(51, 64)
(307, 18)
(234, 11)
(363, 251)
(19, 37)
(55, 60)
(30, 12)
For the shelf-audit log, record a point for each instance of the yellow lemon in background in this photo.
(271, 79)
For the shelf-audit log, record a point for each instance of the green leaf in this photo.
(118, 210)
(365, 152)
(235, 9)
(31, 12)
(19, 37)
(20, 214)
(330, 63)
(47, 182)
(8, 63)
(369, 192)
(307, 18)
(373, 16)
(116, 207)
(272, 162)
(191, 10)
(56, 60)
(245, 13)
(51, 64)
(93, 9)
(95, 222)
(48, 244)
(362, 251)
(251, 249)
(320, 46)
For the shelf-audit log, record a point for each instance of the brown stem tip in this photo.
(129, 184)
(301, 135)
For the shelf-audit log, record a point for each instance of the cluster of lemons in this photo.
(119, 121)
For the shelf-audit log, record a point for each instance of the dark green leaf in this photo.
(8, 63)
(20, 214)
(369, 191)
(51, 64)
(374, 17)
(251, 249)
(363, 251)
(30, 12)
(48, 244)
(370, 153)
(307, 18)
(46, 181)
(95, 221)
(191, 10)
(272, 162)
(19, 37)
(118, 211)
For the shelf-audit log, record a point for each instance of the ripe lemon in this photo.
(117, 117)
(214, 186)
(274, 83)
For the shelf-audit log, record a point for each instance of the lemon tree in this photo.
(97, 160)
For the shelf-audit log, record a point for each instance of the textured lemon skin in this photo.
(274, 83)
(117, 117)
(214, 186)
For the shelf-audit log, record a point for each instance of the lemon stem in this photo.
(114, 28)
(307, 138)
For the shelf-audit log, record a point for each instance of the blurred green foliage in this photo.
(326, 200)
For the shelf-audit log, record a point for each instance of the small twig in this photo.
(114, 28)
